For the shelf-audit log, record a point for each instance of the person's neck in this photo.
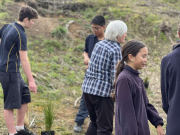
(100, 37)
(132, 66)
(21, 23)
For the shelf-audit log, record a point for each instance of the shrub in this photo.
(59, 32)
(51, 43)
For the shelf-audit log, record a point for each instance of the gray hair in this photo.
(114, 29)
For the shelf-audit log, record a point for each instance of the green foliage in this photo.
(66, 133)
(49, 115)
(59, 32)
(3, 15)
(88, 14)
(146, 79)
(36, 42)
(79, 48)
(117, 13)
(106, 16)
(151, 18)
(171, 1)
(163, 36)
(70, 58)
(3, 2)
(53, 95)
(50, 45)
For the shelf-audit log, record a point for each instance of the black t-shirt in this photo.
(13, 39)
(90, 42)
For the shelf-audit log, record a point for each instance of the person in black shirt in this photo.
(170, 76)
(13, 49)
(98, 27)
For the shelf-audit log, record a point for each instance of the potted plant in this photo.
(49, 116)
(146, 82)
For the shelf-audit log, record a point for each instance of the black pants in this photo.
(101, 112)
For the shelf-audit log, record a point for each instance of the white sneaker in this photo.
(77, 128)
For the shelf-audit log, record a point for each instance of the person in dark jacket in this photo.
(170, 76)
(178, 33)
(133, 109)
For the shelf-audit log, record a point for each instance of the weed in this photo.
(59, 32)
(3, 15)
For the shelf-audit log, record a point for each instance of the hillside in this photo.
(56, 43)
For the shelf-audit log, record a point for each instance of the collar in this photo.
(20, 26)
(131, 70)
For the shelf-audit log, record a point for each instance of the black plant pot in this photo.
(47, 132)
(146, 85)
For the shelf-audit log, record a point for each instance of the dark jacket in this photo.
(170, 88)
(175, 45)
(133, 109)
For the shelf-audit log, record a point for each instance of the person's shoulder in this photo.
(4, 26)
(90, 36)
(168, 57)
(114, 47)
(124, 75)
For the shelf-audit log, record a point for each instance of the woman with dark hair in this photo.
(133, 109)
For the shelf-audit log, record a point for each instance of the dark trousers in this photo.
(101, 112)
(83, 112)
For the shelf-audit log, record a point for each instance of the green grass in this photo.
(59, 32)
(58, 62)
(49, 115)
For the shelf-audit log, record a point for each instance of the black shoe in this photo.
(24, 132)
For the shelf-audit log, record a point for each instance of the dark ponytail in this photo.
(131, 47)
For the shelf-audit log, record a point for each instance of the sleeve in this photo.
(115, 59)
(126, 118)
(1, 30)
(86, 45)
(21, 42)
(164, 85)
(152, 113)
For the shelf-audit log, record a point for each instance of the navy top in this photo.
(174, 46)
(13, 39)
(133, 109)
(90, 42)
(170, 89)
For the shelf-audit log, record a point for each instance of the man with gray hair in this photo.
(98, 82)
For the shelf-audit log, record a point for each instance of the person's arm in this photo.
(27, 70)
(152, 113)
(126, 118)
(164, 85)
(160, 130)
(86, 58)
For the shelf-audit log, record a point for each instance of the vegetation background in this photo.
(56, 43)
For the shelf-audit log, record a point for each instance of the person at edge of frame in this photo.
(170, 75)
(13, 50)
